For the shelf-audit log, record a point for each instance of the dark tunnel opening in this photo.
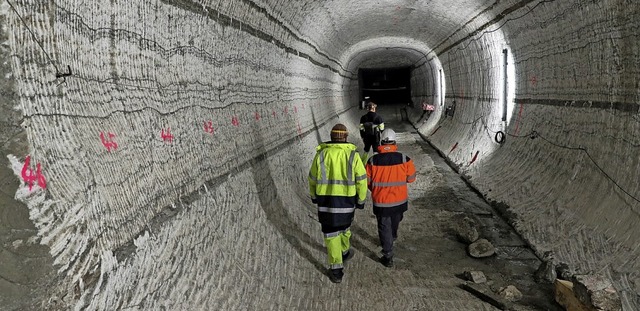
(385, 86)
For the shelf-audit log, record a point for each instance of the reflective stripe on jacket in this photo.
(337, 182)
(371, 117)
(388, 173)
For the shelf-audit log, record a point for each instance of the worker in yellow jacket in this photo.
(338, 185)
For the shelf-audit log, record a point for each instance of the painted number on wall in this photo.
(108, 141)
(30, 177)
(166, 135)
(208, 127)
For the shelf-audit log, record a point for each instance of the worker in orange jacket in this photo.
(388, 173)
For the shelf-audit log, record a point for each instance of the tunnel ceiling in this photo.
(336, 25)
(386, 57)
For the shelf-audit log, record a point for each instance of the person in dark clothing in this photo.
(371, 125)
(388, 174)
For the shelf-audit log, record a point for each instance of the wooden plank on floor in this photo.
(565, 297)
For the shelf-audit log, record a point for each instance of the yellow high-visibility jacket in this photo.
(337, 182)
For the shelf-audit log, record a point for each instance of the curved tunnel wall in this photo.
(568, 168)
(202, 107)
(163, 101)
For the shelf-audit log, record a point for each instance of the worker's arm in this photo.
(369, 168)
(380, 123)
(360, 179)
(411, 170)
(313, 178)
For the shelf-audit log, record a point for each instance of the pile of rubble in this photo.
(574, 292)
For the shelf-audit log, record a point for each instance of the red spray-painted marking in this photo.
(257, 116)
(208, 127)
(30, 178)
(109, 142)
(274, 113)
(166, 136)
(436, 130)
(234, 121)
(475, 156)
(454, 147)
(515, 131)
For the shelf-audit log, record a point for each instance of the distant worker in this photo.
(338, 185)
(371, 125)
(388, 173)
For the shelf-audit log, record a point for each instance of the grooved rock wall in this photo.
(567, 171)
(162, 98)
(125, 125)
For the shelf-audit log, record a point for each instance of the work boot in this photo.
(347, 256)
(335, 275)
(386, 261)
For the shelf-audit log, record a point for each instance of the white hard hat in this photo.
(388, 135)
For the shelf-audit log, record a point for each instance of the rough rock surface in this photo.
(481, 248)
(597, 291)
(466, 230)
(475, 276)
(510, 293)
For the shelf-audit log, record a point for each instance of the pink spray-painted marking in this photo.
(108, 142)
(295, 109)
(166, 135)
(208, 127)
(257, 116)
(234, 121)
(436, 130)
(454, 147)
(534, 81)
(274, 113)
(30, 177)
(475, 157)
(286, 110)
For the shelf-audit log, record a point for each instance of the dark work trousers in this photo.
(371, 141)
(388, 232)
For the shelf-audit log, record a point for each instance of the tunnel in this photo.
(155, 154)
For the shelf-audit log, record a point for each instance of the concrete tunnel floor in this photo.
(427, 275)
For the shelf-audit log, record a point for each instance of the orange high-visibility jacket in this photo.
(388, 173)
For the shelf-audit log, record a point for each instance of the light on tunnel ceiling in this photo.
(508, 86)
(442, 88)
